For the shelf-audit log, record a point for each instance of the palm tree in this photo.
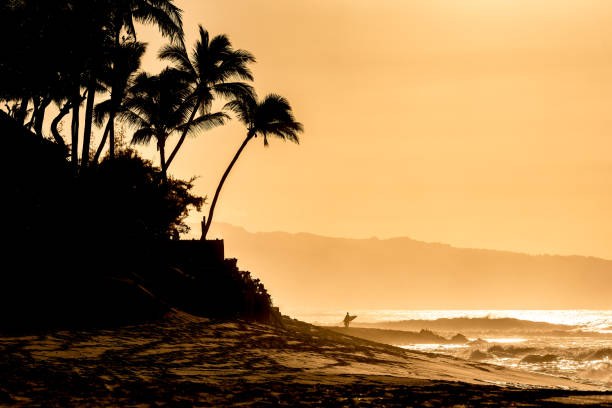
(270, 117)
(126, 59)
(67, 42)
(120, 15)
(158, 106)
(166, 16)
(162, 13)
(212, 70)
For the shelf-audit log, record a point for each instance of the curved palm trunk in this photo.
(216, 197)
(102, 143)
(182, 139)
(88, 121)
(55, 123)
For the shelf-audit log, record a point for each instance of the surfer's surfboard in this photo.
(351, 318)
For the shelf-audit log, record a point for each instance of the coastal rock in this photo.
(479, 355)
(459, 339)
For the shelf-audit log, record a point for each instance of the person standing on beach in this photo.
(347, 320)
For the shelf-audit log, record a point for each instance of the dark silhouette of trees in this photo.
(30, 66)
(270, 117)
(159, 106)
(119, 16)
(126, 52)
(162, 13)
(90, 47)
(126, 59)
(212, 71)
(89, 217)
(62, 49)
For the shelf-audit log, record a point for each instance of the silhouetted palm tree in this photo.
(67, 42)
(162, 13)
(212, 70)
(270, 117)
(159, 106)
(120, 15)
(117, 77)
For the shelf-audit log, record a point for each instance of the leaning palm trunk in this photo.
(223, 178)
(102, 142)
(183, 136)
(88, 121)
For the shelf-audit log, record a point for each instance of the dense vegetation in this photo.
(90, 220)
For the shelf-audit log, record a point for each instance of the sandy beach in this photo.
(188, 361)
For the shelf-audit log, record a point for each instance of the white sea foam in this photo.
(586, 358)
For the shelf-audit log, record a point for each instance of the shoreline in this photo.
(187, 359)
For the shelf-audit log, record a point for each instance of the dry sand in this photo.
(187, 361)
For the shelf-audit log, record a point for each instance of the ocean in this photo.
(575, 344)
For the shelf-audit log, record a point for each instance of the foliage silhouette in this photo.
(211, 70)
(159, 106)
(60, 47)
(94, 223)
(126, 61)
(69, 272)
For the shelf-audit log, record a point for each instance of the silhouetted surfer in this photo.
(348, 319)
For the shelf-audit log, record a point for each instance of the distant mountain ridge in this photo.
(304, 271)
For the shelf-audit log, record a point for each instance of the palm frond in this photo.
(284, 131)
(274, 116)
(236, 90)
(177, 54)
(244, 107)
(143, 136)
(234, 65)
(170, 24)
(205, 122)
(220, 45)
(132, 119)
(101, 111)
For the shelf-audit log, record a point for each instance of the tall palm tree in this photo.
(214, 69)
(272, 116)
(119, 16)
(126, 61)
(158, 106)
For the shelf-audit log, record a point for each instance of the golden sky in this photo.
(478, 123)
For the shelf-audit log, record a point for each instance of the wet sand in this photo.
(187, 361)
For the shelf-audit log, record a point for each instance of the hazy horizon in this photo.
(317, 273)
(478, 124)
(195, 234)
